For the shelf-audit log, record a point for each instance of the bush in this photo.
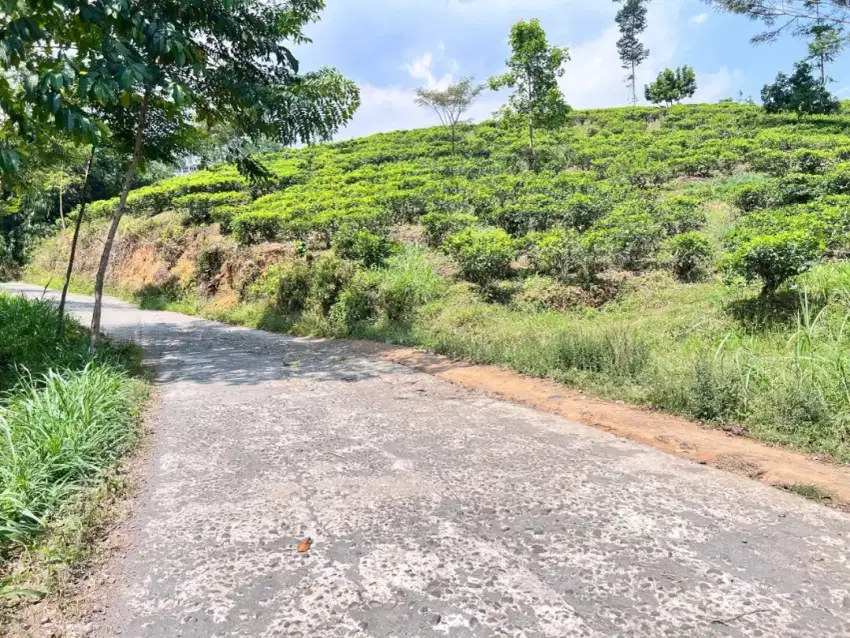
(757, 196)
(365, 246)
(438, 226)
(256, 227)
(812, 161)
(681, 214)
(199, 207)
(691, 256)
(484, 254)
(288, 283)
(774, 259)
(408, 283)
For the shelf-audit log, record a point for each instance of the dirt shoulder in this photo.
(771, 465)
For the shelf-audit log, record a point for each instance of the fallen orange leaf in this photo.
(304, 546)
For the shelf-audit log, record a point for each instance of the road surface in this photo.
(434, 511)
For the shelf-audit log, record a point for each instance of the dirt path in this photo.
(434, 510)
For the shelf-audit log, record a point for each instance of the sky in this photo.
(392, 47)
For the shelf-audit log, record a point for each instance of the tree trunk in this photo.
(116, 220)
(531, 142)
(634, 86)
(822, 70)
(61, 187)
(63, 297)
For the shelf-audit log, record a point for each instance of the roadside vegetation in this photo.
(691, 258)
(66, 419)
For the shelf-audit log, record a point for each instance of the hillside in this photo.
(689, 259)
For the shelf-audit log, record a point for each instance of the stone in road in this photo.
(435, 511)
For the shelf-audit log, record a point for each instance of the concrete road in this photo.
(435, 511)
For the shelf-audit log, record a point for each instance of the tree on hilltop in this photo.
(632, 22)
(533, 72)
(801, 93)
(450, 103)
(672, 86)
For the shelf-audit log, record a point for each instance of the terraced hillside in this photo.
(691, 259)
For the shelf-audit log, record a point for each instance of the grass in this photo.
(66, 419)
(810, 492)
(707, 351)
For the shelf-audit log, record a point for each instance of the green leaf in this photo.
(126, 80)
(126, 99)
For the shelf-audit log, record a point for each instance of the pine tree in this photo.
(632, 22)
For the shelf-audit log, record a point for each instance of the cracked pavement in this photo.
(433, 510)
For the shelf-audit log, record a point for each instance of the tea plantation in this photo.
(689, 258)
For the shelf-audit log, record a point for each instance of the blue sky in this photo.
(391, 47)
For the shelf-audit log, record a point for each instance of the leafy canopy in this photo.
(672, 86)
(781, 15)
(799, 93)
(533, 72)
(450, 103)
(214, 62)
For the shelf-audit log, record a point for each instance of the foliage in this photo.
(363, 245)
(672, 86)
(533, 72)
(800, 93)
(483, 254)
(65, 419)
(631, 19)
(691, 255)
(438, 226)
(773, 259)
(450, 103)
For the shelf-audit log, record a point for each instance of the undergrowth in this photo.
(66, 419)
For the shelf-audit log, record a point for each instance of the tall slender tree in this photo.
(533, 72)
(631, 18)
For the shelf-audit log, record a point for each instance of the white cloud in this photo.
(420, 69)
(700, 19)
(719, 85)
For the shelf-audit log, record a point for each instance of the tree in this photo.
(533, 72)
(826, 44)
(632, 22)
(783, 15)
(672, 86)
(450, 103)
(157, 68)
(801, 93)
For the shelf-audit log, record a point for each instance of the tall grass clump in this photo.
(28, 342)
(65, 420)
(60, 434)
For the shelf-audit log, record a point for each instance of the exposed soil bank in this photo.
(675, 435)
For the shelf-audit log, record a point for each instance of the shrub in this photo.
(329, 276)
(408, 283)
(812, 161)
(837, 181)
(757, 196)
(438, 226)
(256, 227)
(484, 254)
(774, 259)
(359, 244)
(288, 283)
(691, 256)
(200, 206)
(681, 214)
